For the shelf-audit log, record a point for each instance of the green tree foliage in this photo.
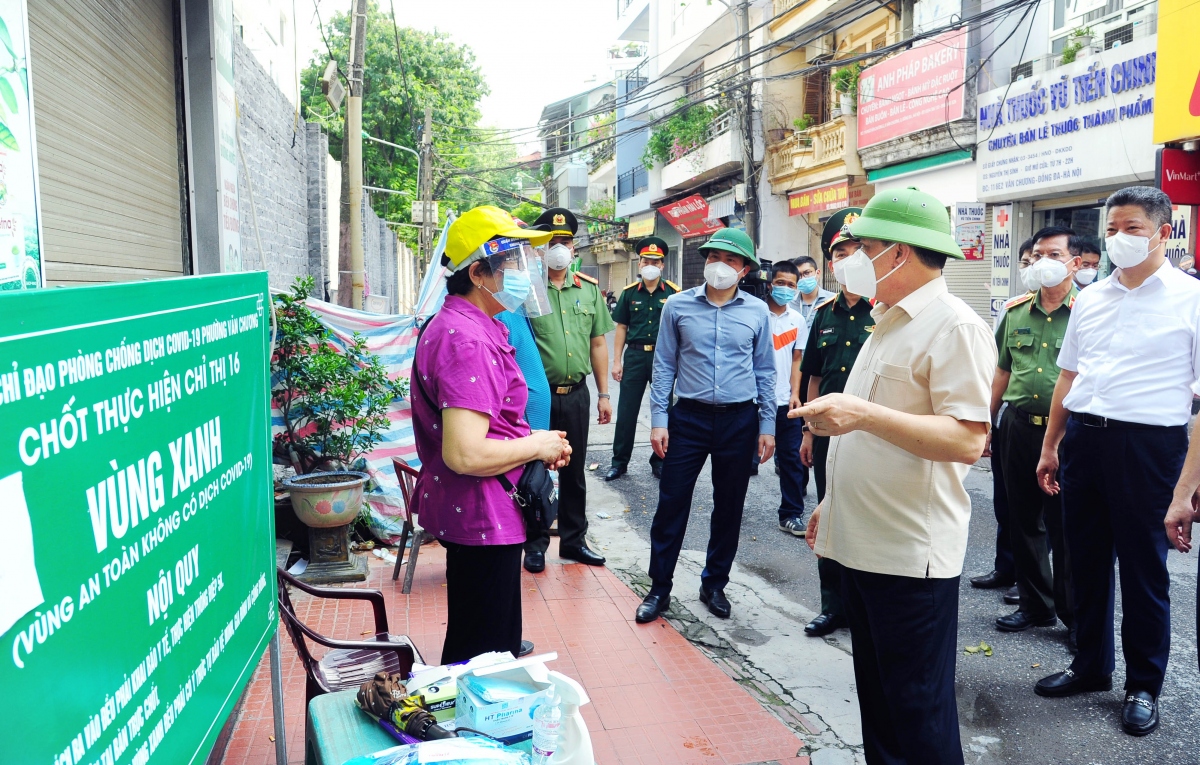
(527, 212)
(435, 70)
(678, 135)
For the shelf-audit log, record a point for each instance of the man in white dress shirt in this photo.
(1120, 411)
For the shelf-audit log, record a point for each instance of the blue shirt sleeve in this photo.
(666, 351)
(520, 337)
(764, 375)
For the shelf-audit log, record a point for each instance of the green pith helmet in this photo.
(908, 216)
(732, 240)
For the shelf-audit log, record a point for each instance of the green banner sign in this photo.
(137, 586)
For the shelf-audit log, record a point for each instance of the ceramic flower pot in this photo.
(327, 500)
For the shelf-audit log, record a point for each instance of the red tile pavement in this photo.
(655, 697)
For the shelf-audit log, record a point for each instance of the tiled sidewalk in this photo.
(655, 697)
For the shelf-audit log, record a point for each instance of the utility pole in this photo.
(906, 19)
(747, 127)
(426, 190)
(353, 149)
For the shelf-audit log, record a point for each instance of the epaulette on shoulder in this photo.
(630, 286)
(1019, 299)
(825, 302)
(673, 285)
(1071, 302)
(587, 278)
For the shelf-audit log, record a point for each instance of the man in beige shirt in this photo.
(912, 420)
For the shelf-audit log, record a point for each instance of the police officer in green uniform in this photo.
(841, 325)
(637, 314)
(1029, 337)
(571, 341)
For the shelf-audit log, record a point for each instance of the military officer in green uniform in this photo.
(841, 325)
(637, 313)
(571, 342)
(1029, 337)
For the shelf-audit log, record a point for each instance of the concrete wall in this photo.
(274, 179)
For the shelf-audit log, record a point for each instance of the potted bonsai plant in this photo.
(334, 406)
(845, 84)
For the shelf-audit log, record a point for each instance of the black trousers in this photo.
(483, 600)
(904, 632)
(638, 364)
(1004, 557)
(1035, 523)
(694, 436)
(570, 412)
(829, 571)
(1117, 484)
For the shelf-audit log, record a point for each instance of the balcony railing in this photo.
(602, 153)
(720, 125)
(636, 79)
(821, 145)
(632, 182)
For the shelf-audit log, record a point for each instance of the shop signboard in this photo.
(831, 196)
(1177, 93)
(916, 90)
(137, 585)
(230, 236)
(690, 216)
(641, 225)
(1177, 173)
(1002, 247)
(20, 210)
(1179, 246)
(968, 228)
(1081, 126)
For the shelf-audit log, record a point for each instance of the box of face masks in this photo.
(499, 700)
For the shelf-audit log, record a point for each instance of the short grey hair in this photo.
(1153, 202)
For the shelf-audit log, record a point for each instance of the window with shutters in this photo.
(816, 96)
(879, 42)
(694, 84)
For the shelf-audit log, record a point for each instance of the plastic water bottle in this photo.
(547, 719)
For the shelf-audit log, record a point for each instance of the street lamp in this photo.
(395, 146)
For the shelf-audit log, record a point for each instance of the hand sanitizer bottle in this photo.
(547, 719)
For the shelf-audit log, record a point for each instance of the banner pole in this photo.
(277, 701)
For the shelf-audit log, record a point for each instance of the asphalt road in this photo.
(998, 711)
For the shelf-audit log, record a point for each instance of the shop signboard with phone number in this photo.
(1081, 126)
(137, 587)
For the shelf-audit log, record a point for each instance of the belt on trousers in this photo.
(1094, 421)
(1037, 420)
(563, 390)
(647, 347)
(700, 406)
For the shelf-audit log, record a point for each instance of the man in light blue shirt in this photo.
(812, 294)
(715, 349)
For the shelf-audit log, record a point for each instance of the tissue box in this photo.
(508, 715)
(439, 684)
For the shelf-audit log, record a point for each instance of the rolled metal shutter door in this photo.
(104, 91)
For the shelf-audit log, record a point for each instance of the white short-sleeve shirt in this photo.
(789, 333)
(1136, 352)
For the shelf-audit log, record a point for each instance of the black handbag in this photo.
(535, 492)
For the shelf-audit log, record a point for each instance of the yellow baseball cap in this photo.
(476, 226)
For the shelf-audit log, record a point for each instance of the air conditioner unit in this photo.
(819, 49)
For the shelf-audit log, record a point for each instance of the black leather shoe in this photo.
(717, 604)
(656, 468)
(1139, 716)
(535, 562)
(614, 473)
(526, 648)
(652, 606)
(581, 554)
(1019, 621)
(1067, 683)
(823, 625)
(990, 581)
(1012, 597)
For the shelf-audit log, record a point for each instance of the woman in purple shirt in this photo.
(469, 425)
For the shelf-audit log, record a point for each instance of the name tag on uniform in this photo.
(827, 331)
(1023, 331)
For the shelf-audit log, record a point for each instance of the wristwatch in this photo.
(603, 395)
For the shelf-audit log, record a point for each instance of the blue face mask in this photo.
(515, 290)
(783, 295)
(807, 284)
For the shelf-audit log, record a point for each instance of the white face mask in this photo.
(860, 272)
(1029, 278)
(720, 276)
(1048, 272)
(839, 272)
(650, 273)
(1086, 276)
(558, 257)
(1127, 250)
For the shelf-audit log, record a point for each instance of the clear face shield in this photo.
(517, 267)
